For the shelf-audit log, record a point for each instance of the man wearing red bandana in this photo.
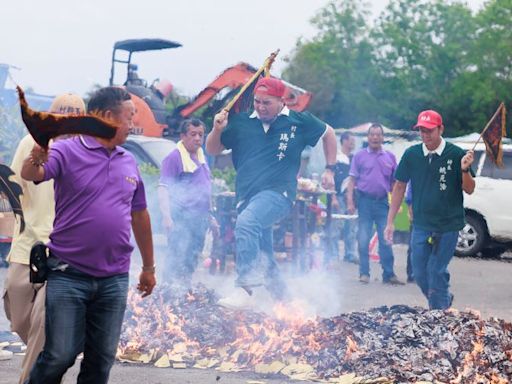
(266, 150)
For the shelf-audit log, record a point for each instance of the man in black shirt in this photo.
(348, 227)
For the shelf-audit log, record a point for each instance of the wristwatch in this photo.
(465, 170)
(331, 167)
(150, 269)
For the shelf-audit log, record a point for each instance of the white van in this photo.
(489, 208)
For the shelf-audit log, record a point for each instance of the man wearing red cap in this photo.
(439, 172)
(266, 149)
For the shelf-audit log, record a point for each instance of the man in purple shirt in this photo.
(184, 194)
(99, 197)
(372, 175)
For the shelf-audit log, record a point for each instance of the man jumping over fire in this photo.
(267, 147)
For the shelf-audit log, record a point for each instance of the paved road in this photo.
(483, 285)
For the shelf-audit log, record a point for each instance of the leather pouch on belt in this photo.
(39, 263)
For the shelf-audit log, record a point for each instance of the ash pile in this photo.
(397, 344)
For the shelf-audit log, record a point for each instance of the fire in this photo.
(351, 348)
(397, 344)
(262, 342)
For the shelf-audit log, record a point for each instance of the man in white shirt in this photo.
(347, 227)
(24, 301)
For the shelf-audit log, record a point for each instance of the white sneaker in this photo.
(237, 300)
(5, 355)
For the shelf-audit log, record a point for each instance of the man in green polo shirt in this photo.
(439, 172)
(266, 150)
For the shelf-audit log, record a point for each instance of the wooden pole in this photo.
(266, 65)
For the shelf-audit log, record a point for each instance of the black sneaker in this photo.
(365, 279)
(393, 280)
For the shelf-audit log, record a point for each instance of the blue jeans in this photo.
(348, 229)
(255, 262)
(83, 313)
(373, 211)
(430, 261)
(185, 243)
(349, 232)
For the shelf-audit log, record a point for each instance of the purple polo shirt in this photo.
(187, 191)
(374, 171)
(95, 193)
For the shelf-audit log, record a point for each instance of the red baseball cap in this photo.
(270, 86)
(429, 119)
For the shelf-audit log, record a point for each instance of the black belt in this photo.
(371, 197)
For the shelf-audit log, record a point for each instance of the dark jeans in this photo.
(410, 274)
(430, 261)
(348, 230)
(83, 313)
(185, 243)
(255, 262)
(373, 211)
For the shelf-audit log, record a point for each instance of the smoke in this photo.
(318, 292)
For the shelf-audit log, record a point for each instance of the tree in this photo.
(419, 54)
(492, 58)
(422, 50)
(337, 65)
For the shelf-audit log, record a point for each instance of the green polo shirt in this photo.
(269, 160)
(437, 198)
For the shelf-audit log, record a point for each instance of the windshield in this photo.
(158, 150)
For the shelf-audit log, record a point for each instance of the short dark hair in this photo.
(376, 125)
(107, 99)
(185, 124)
(345, 136)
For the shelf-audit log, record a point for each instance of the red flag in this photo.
(493, 133)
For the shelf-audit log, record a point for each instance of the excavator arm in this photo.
(231, 80)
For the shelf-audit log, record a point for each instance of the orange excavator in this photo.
(152, 117)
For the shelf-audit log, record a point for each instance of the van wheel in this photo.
(472, 238)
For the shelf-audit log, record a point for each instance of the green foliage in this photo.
(148, 170)
(226, 174)
(174, 100)
(416, 55)
(150, 176)
(336, 64)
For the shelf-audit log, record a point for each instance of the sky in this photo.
(66, 45)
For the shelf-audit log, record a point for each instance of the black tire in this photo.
(472, 238)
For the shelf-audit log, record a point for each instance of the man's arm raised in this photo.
(213, 144)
